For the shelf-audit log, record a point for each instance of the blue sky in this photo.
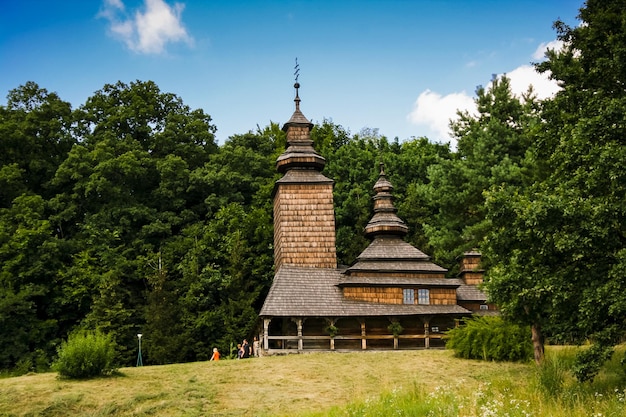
(400, 66)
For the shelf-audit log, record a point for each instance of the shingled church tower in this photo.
(304, 218)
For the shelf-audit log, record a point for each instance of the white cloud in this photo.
(434, 111)
(524, 76)
(149, 30)
(540, 53)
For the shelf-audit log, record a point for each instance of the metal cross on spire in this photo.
(297, 84)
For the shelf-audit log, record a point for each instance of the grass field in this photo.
(424, 382)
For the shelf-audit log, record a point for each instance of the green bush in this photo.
(490, 338)
(86, 354)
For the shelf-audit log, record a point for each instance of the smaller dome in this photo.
(384, 221)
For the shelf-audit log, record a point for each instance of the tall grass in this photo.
(551, 390)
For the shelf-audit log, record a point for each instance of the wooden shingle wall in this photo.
(393, 295)
(443, 296)
(471, 271)
(304, 226)
(384, 295)
(470, 263)
(473, 278)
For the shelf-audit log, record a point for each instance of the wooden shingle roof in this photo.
(391, 281)
(470, 293)
(304, 176)
(391, 253)
(315, 292)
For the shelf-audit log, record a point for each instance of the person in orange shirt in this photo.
(216, 355)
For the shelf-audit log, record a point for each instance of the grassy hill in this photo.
(311, 384)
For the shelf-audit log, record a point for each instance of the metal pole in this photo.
(139, 360)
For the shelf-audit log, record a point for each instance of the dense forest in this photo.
(124, 215)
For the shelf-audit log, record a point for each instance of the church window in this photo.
(423, 296)
(408, 296)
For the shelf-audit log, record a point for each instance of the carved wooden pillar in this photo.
(299, 324)
(427, 333)
(266, 326)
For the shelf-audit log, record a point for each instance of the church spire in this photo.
(300, 152)
(384, 221)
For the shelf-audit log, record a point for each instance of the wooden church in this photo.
(392, 297)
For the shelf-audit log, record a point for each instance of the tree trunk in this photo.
(537, 338)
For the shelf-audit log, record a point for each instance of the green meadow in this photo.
(391, 383)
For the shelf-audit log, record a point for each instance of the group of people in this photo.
(244, 350)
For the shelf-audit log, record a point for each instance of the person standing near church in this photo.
(246, 349)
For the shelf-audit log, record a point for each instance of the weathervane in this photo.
(297, 84)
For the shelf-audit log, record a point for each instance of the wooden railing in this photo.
(299, 340)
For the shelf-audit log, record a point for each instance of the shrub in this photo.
(590, 360)
(490, 338)
(86, 354)
(395, 328)
(332, 330)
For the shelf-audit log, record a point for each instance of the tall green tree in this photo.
(35, 137)
(491, 146)
(29, 301)
(125, 191)
(567, 254)
(213, 276)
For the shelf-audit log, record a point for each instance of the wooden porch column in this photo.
(363, 335)
(266, 326)
(427, 333)
(299, 324)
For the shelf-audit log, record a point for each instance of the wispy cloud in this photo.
(434, 111)
(149, 29)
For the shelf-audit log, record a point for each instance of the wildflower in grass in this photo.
(620, 395)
